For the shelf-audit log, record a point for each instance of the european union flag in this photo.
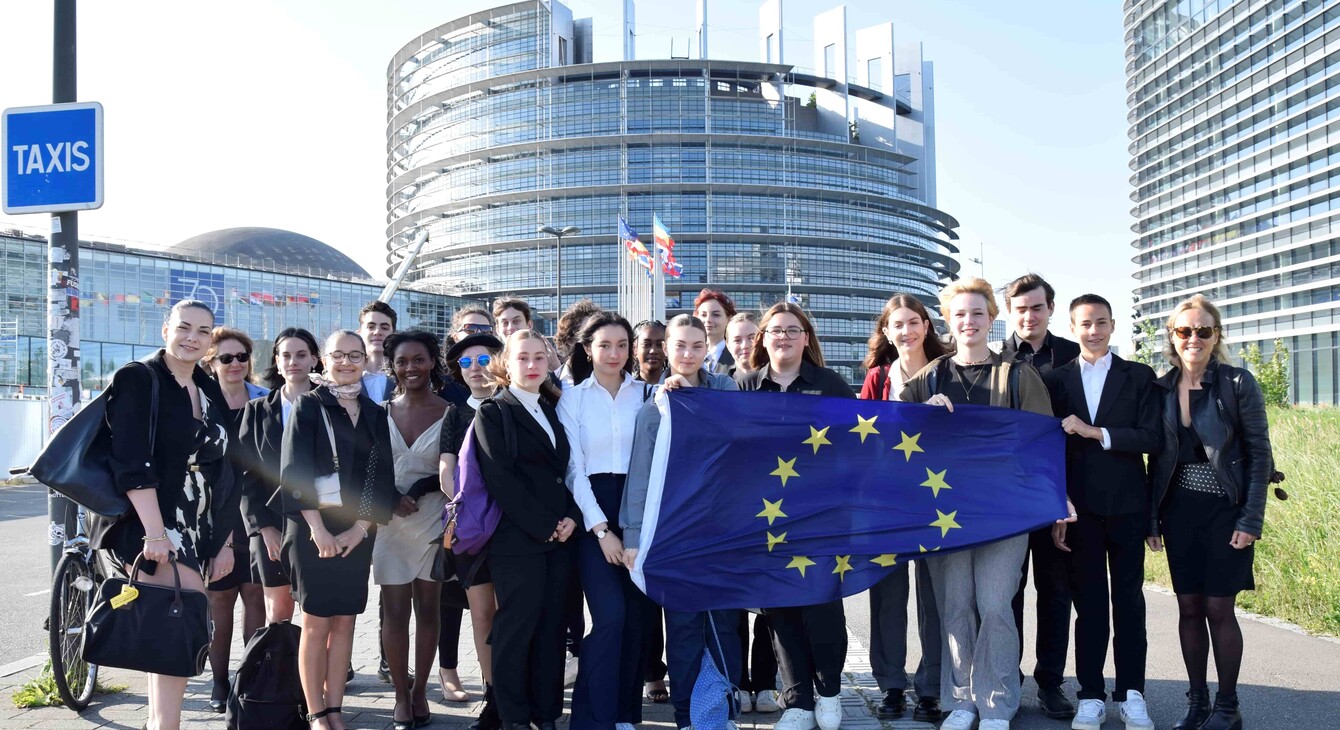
(769, 500)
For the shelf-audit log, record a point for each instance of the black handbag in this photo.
(161, 631)
(77, 460)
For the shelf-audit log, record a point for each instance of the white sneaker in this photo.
(994, 725)
(766, 701)
(1090, 715)
(1134, 712)
(828, 713)
(960, 720)
(796, 719)
(745, 700)
(570, 672)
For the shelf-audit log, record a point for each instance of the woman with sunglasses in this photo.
(811, 641)
(338, 480)
(1209, 487)
(468, 363)
(688, 635)
(296, 356)
(599, 412)
(228, 359)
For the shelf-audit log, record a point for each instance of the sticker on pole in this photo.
(53, 158)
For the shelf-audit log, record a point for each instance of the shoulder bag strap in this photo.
(153, 405)
(330, 433)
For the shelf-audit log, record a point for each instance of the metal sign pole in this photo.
(63, 381)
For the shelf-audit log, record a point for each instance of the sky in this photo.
(273, 113)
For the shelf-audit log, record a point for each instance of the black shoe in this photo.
(423, 720)
(488, 718)
(928, 710)
(549, 725)
(893, 707)
(350, 676)
(384, 674)
(218, 698)
(517, 726)
(1197, 709)
(1225, 715)
(1054, 703)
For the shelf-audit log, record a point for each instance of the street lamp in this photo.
(559, 233)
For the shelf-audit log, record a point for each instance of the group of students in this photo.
(344, 465)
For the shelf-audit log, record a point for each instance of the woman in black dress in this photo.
(181, 487)
(337, 485)
(1209, 486)
(529, 556)
(467, 365)
(229, 361)
(296, 356)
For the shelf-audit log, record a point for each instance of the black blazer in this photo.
(367, 490)
(259, 440)
(1113, 482)
(529, 489)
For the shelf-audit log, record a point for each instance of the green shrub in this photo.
(1273, 374)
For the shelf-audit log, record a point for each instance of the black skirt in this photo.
(327, 587)
(1197, 528)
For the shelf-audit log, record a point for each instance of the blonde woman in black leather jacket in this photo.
(1208, 487)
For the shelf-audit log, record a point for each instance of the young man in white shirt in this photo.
(376, 320)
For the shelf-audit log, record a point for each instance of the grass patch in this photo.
(41, 691)
(1298, 558)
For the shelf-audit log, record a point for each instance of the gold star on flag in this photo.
(865, 427)
(818, 437)
(886, 561)
(936, 481)
(785, 470)
(800, 562)
(775, 541)
(843, 565)
(946, 522)
(924, 550)
(909, 445)
(771, 510)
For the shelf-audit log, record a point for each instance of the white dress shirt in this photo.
(531, 402)
(600, 436)
(714, 355)
(285, 408)
(1093, 376)
(377, 386)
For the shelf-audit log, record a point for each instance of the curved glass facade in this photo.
(489, 138)
(1235, 128)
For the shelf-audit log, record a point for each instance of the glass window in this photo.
(830, 60)
(875, 73)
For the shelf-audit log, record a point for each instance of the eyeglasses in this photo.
(467, 361)
(230, 357)
(354, 357)
(790, 333)
(475, 329)
(1184, 333)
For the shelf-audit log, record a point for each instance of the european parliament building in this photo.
(1234, 111)
(775, 180)
(258, 280)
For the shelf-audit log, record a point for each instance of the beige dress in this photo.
(403, 551)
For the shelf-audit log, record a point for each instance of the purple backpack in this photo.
(472, 515)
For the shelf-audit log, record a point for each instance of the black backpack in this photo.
(267, 693)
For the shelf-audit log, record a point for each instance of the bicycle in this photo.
(74, 587)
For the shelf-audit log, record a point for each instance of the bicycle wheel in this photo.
(72, 594)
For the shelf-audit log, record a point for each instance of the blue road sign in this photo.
(53, 158)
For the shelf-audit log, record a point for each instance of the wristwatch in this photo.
(600, 534)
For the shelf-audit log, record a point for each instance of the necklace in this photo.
(967, 389)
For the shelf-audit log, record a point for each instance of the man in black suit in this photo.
(1030, 302)
(1111, 413)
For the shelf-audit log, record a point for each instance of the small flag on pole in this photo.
(636, 250)
(665, 248)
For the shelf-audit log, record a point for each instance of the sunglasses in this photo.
(475, 329)
(1184, 333)
(228, 358)
(467, 361)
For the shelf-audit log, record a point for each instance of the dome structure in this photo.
(272, 247)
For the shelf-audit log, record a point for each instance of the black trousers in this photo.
(527, 634)
(1051, 579)
(1109, 549)
(758, 662)
(653, 642)
(811, 643)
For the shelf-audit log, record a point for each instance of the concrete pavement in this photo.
(1289, 680)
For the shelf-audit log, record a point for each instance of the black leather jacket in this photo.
(1232, 426)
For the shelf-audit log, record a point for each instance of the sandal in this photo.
(318, 715)
(659, 695)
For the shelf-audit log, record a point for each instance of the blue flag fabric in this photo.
(775, 499)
